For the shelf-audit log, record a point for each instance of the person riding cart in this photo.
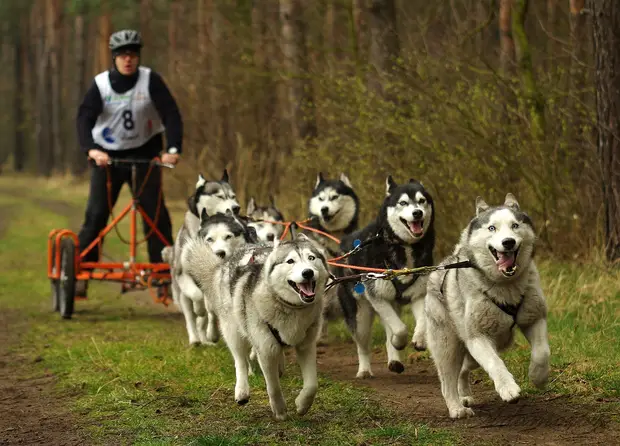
(123, 116)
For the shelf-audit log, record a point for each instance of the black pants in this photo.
(98, 211)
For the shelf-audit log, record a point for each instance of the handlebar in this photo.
(132, 161)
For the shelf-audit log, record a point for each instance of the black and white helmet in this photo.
(125, 37)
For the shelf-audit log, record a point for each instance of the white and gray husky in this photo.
(224, 233)
(266, 297)
(471, 312)
(261, 217)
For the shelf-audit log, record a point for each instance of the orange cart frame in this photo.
(63, 245)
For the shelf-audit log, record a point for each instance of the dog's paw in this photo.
(418, 344)
(283, 416)
(539, 374)
(467, 401)
(242, 395)
(509, 392)
(243, 402)
(209, 343)
(396, 367)
(399, 341)
(303, 403)
(364, 374)
(460, 412)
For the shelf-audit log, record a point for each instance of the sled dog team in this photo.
(232, 276)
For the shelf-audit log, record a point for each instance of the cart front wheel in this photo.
(66, 284)
(54, 282)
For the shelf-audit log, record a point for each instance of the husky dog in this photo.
(471, 312)
(334, 209)
(402, 235)
(214, 196)
(224, 233)
(266, 298)
(266, 232)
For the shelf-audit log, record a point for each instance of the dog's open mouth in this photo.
(305, 290)
(328, 217)
(506, 261)
(416, 227)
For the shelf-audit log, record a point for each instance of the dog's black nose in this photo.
(509, 243)
(236, 209)
(325, 211)
(271, 237)
(418, 214)
(307, 274)
(220, 254)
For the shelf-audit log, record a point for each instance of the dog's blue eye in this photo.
(311, 258)
(228, 237)
(290, 261)
(422, 201)
(209, 240)
(515, 225)
(403, 203)
(492, 228)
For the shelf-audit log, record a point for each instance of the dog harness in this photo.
(276, 334)
(510, 309)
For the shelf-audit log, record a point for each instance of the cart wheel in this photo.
(66, 285)
(54, 283)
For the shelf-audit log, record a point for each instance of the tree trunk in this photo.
(357, 13)
(19, 149)
(606, 35)
(552, 29)
(294, 51)
(54, 23)
(173, 48)
(533, 99)
(79, 163)
(384, 44)
(43, 117)
(507, 45)
(105, 30)
(146, 19)
(578, 44)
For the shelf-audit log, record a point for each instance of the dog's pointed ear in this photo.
(225, 176)
(319, 179)
(203, 215)
(345, 180)
(302, 237)
(511, 201)
(413, 180)
(481, 206)
(251, 207)
(201, 181)
(191, 205)
(390, 184)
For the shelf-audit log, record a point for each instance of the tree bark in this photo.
(606, 36)
(384, 43)
(294, 51)
(19, 149)
(43, 116)
(533, 99)
(507, 45)
(105, 30)
(54, 23)
(79, 163)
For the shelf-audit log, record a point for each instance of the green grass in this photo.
(125, 362)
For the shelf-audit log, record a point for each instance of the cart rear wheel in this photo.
(54, 282)
(66, 284)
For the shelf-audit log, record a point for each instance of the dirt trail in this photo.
(540, 420)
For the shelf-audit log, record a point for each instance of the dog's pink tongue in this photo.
(306, 289)
(416, 227)
(505, 260)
